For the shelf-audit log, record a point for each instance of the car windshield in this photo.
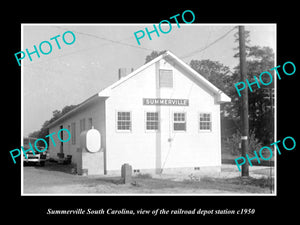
(31, 140)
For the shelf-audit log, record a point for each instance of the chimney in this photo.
(124, 72)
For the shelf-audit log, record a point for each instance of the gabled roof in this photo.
(106, 92)
(221, 96)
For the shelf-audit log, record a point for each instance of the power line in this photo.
(92, 48)
(110, 40)
(209, 45)
(207, 40)
(117, 42)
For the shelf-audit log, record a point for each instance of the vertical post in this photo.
(126, 173)
(244, 115)
(272, 128)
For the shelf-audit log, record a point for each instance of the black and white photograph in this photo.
(163, 112)
(112, 117)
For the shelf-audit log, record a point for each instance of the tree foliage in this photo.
(213, 71)
(234, 143)
(153, 55)
(56, 114)
(261, 115)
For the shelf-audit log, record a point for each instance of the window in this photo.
(90, 123)
(152, 122)
(179, 122)
(73, 133)
(166, 78)
(124, 121)
(205, 121)
(82, 125)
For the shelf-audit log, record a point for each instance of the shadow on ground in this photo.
(54, 166)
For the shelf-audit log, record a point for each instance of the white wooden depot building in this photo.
(163, 116)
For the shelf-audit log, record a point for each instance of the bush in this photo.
(234, 143)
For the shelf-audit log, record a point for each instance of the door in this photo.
(173, 126)
(164, 139)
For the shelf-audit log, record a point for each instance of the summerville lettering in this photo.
(165, 101)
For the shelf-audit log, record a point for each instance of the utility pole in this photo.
(244, 115)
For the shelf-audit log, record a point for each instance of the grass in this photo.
(236, 184)
(218, 185)
(248, 183)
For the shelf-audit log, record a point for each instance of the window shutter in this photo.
(166, 78)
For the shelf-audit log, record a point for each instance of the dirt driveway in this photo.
(57, 179)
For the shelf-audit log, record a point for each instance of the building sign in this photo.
(165, 101)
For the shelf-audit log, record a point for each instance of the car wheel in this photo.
(42, 163)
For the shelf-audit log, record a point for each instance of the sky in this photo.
(75, 72)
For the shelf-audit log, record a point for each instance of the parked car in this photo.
(38, 158)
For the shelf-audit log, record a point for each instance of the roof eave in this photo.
(107, 91)
(80, 106)
(221, 96)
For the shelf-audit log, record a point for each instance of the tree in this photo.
(213, 71)
(261, 116)
(153, 55)
(220, 76)
(259, 59)
(56, 114)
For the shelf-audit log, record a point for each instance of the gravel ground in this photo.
(57, 179)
